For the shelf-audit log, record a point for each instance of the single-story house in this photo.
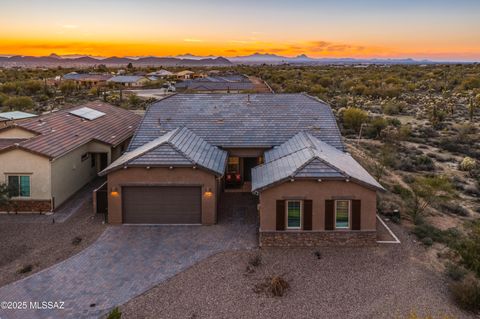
(161, 74)
(130, 80)
(285, 148)
(46, 159)
(217, 84)
(87, 79)
(184, 75)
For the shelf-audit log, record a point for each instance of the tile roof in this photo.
(179, 147)
(15, 115)
(126, 78)
(304, 156)
(60, 132)
(6, 142)
(240, 120)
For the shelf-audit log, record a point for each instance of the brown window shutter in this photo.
(307, 214)
(356, 214)
(329, 214)
(280, 215)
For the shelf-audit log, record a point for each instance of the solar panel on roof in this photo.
(16, 115)
(87, 113)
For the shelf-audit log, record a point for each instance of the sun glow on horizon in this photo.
(314, 28)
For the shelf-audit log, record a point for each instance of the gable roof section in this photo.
(60, 132)
(179, 147)
(240, 120)
(304, 156)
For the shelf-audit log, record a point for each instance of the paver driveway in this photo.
(128, 260)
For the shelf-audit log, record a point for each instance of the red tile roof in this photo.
(60, 132)
(6, 142)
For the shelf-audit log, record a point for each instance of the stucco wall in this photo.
(21, 162)
(318, 192)
(16, 132)
(162, 176)
(70, 173)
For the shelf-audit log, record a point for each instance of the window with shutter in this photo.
(280, 215)
(329, 214)
(307, 215)
(356, 214)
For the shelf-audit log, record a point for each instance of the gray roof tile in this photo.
(240, 120)
(305, 156)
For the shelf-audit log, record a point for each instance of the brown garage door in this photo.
(162, 205)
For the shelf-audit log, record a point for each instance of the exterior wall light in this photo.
(208, 192)
(114, 192)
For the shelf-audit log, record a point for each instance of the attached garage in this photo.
(162, 205)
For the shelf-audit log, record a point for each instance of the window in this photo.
(342, 214)
(19, 186)
(233, 165)
(294, 214)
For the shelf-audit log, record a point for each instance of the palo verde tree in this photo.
(428, 191)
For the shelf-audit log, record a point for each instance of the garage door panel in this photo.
(162, 205)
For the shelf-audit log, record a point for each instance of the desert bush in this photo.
(402, 191)
(448, 237)
(114, 314)
(468, 248)
(25, 269)
(455, 272)
(467, 293)
(18, 103)
(255, 261)
(468, 164)
(274, 286)
(353, 118)
(453, 208)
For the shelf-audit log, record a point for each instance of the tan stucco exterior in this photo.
(162, 176)
(15, 132)
(20, 162)
(318, 192)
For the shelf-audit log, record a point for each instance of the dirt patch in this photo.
(387, 281)
(28, 247)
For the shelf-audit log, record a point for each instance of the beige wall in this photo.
(16, 132)
(318, 192)
(38, 167)
(162, 176)
(70, 173)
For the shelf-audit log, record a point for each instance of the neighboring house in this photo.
(87, 79)
(285, 148)
(184, 75)
(15, 115)
(217, 84)
(161, 74)
(130, 80)
(45, 160)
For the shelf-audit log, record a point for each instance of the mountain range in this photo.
(76, 60)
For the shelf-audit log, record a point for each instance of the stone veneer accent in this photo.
(317, 238)
(27, 206)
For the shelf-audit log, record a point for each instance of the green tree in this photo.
(18, 103)
(353, 118)
(68, 87)
(4, 195)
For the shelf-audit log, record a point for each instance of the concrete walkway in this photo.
(125, 262)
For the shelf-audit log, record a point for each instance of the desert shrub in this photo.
(453, 208)
(402, 191)
(468, 248)
(353, 118)
(274, 286)
(424, 230)
(427, 241)
(25, 269)
(255, 261)
(76, 241)
(115, 314)
(468, 164)
(455, 272)
(417, 163)
(467, 293)
(18, 103)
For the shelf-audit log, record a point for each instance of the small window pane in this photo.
(341, 219)
(25, 186)
(13, 185)
(293, 214)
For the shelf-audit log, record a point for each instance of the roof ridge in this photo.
(170, 142)
(149, 149)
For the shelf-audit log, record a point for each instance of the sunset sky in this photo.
(437, 30)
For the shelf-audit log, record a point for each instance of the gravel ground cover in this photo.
(388, 281)
(37, 245)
